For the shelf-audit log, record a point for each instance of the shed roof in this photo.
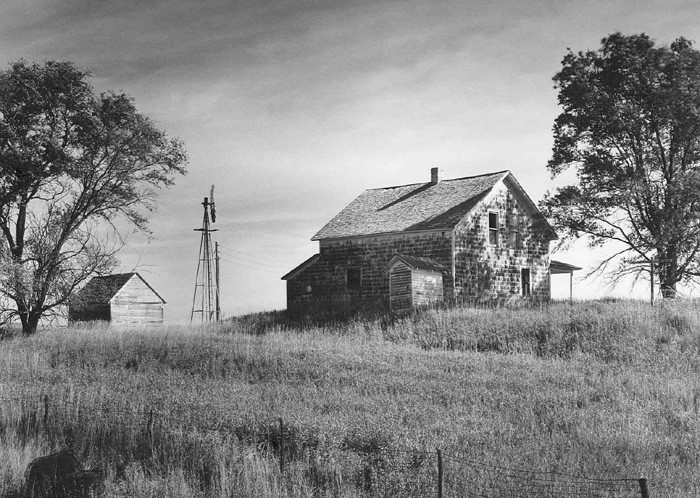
(556, 267)
(419, 206)
(101, 289)
(415, 262)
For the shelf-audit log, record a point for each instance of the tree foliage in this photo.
(630, 127)
(72, 164)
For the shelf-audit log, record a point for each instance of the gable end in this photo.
(526, 202)
(120, 292)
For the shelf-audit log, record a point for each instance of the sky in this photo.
(293, 107)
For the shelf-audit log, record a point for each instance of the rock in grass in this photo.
(60, 475)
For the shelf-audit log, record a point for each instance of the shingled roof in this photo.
(415, 262)
(420, 206)
(101, 289)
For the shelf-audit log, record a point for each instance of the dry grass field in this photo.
(539, 401)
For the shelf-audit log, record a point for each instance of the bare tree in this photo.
(72, 165)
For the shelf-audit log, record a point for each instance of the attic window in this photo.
(493, 228)
(354, 279)
(514, 240)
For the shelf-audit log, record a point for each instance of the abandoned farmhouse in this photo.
(119, 299)
(476, 238)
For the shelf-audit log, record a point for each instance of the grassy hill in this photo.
(547, 401)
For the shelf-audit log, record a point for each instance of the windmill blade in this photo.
(212, 205)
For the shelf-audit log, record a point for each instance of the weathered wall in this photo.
(484, 271)
(427, 287)
(327, 277)
(136, 303)
(86, 312)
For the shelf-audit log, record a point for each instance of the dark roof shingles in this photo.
(102, 289)
(419, 262)
(421, 206)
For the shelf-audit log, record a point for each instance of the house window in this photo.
(493, 228)
(525, 281)
(354, 279)
(514, 233)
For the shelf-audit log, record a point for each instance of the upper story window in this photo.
(514, 236)
(354, 279)
(493, 228)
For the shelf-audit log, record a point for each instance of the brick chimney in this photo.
(435, 175)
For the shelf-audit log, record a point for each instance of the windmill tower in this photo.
(206, 287)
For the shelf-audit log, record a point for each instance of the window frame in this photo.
(514, 228)
(529, 281)
(495, 230)
(357, 284)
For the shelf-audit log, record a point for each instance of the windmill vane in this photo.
(213, 206)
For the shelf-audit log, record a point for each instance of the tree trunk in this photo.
(668, 275)
(668, 290)
(30, 322)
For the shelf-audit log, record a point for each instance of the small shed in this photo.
(119, 298)
(413, 281)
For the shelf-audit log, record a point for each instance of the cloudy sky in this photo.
(293, 107)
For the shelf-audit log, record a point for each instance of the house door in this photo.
(525, 281)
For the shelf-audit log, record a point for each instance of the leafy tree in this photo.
(73, 166)
(630, 127)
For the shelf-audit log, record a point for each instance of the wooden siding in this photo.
(137, 313)
(136, 303)
(409, 287)
(426, 287)
(400, 288)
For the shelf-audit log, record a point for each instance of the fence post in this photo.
(149, 425)
(643, 487)
(281, 446)
(439, 459)
(46, 409)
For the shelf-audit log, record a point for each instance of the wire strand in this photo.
(478, 476)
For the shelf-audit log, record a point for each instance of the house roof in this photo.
(301, 267)
(420, 206)
(101, 289)
(415, 262)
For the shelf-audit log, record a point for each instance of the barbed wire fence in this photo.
(387, 471)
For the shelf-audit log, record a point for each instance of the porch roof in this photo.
(557, 267)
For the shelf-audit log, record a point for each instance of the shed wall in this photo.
(427, 287)
(86, 312)
(136, 303)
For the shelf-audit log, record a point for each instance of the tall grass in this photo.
(595, 389)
